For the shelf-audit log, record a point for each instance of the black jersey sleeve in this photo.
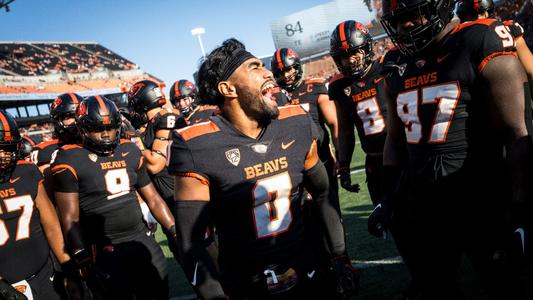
(181, 159)
(65, 176)
(170, 121)
(497, 40)
(515, 28)
(316, 87)
(143, 179)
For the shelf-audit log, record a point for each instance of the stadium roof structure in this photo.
(38, 70)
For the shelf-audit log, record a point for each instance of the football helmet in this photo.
(181, 89)
(26, 147)
(283, 60)
(350, 37)
(64, 106)
(96, 114)
(468, 10)
(431, 16)
(10, 144)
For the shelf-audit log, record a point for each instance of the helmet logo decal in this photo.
(189, 85)
(56, 103)
(135, 89)
(82, 110)
(361, 27)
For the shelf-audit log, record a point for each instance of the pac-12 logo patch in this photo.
(233, 156)
(347, 91)
(93, 157)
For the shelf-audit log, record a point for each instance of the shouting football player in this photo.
(457, 99)
(245, 170)
(95, 185)
(183, 96)
(361, 103)
(29, 226)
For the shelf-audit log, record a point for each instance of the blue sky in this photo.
(154, 34)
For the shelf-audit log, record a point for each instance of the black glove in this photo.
(7, 292)
(346, 181)
(95, 277)
(379, 220)
(346, 276)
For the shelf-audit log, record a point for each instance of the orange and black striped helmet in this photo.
(10, 142)
(181, 89)
(96, 114)
(283, 60)
(349, 37)
(64, 106)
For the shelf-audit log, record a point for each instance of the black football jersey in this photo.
(166, 119)
(255, 186)
(23, 245)
(43, 152)
(306, 95)
(439, 99)
(364, 100)
(514, 28)
(280, 96)
(201, 114)
(109, 208)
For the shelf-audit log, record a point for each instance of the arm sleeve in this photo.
(317, 183)
(65, 176)
(192, 219)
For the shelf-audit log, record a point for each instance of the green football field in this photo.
(383, 276)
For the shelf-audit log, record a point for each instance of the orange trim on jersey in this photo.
(290, 111)
(62, 167)
(487, 59)
(43, 145)
(336, 77)
(71, 146)
(74, 99)
(24, 162)
(508, 22)
(464, 25)
(7, 130)
(343, 36)
(278, 59)
(197, 130)
(197, 176)
(125, 141)
(314, 80)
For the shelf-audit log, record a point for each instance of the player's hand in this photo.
(70, 278)
(379, 221)
(346, 276)
(8, 292)
(346, 181)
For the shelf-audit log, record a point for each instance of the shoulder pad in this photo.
(43, 145)
(483, 22)
(197, 130)
(336, 77)
(288, 111)
(70, 147)
(315, 80)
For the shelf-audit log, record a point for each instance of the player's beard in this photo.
(254, 105)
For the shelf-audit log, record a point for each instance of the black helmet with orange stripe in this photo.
(143, 96)
(62, 112)
(10, 142)
(183, 89)
(469, 10)
(284, 61)
(429, 18)
(97, 114)
(349, 39)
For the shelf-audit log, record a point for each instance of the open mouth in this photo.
(268, 89)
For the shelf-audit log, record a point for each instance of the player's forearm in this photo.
(346, 145)
(54, 235)
(154, 161)
(161, 213)
(317, 183)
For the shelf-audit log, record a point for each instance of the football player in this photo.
(26, 148)
(245, 170)
(312, 94)
(62, 113)
(29, 226)
(457, 99)
(95, 184)
(183, 95)
(361, 103)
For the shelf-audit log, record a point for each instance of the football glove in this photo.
(346, 276)
(379, 220)
(8, 292)
(346, 181)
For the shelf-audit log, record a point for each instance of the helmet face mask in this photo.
(96, 118)
(413, 25)
(285, 60)
(349, 40)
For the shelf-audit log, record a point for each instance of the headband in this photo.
(234, 61)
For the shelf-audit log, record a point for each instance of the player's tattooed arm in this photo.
(156, 157)
(193, 215)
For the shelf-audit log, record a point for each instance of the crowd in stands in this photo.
(38, 132)
(34, 59)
